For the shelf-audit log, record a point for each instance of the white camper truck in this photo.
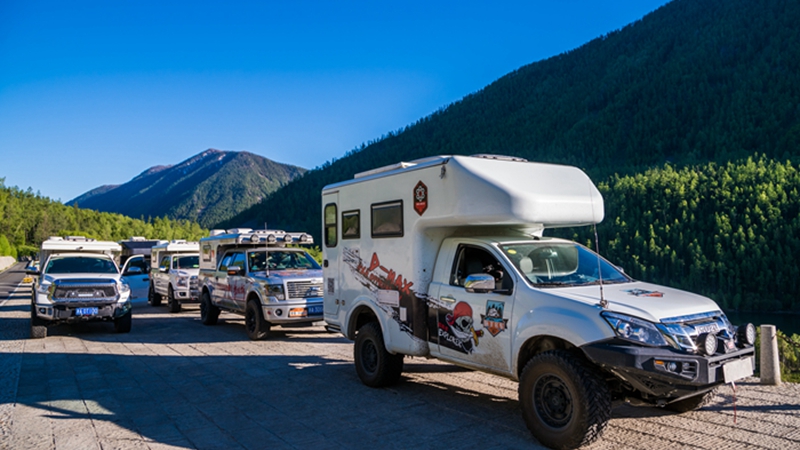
(79, 281)
(445, 257)
(255, 274)
(173, 274)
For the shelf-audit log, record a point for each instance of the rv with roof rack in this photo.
(255, 273)
(78, 281)
(173, 274)
(445, 257)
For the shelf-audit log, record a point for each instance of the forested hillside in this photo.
(26, 219)
(207, 188)
(694, 82)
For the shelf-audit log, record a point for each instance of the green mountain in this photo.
(27, 219)
(207, 188)
(692, 87)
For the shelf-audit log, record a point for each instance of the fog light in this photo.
(278, 312)
(672, 367)
(746, 335)
(707, 344)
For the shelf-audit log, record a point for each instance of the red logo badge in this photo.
(420, 198)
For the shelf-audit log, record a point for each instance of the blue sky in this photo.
(94, 93)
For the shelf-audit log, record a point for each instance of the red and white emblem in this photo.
(420, 198)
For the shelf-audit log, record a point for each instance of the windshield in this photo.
(552, 264)
(280, 260)
(188, 262)
(80, 264)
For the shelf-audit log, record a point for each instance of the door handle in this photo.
(447, 299)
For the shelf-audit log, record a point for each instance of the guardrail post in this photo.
(770, 366)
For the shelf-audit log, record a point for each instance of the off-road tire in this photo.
(257, 328)
(174, 303)
(565, 403)
(209, 313)
(152, 297)
(38, 326)
(691, 403)
(376, 367)
(123, 324)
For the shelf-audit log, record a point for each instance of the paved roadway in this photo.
(174, 383)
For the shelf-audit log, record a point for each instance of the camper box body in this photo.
(403, 213)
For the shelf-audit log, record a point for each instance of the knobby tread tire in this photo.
(256, 326)
(123, 324)
(590, 395)
(38, 326)
(174, 303)
(388, 367)
(152, 297)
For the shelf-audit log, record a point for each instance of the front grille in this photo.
(304, 289)
(82, 292)
(193, 283)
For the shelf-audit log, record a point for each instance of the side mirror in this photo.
(479, 282)
(163, 269)
(236, 271)
(133, 271)
(32, 272)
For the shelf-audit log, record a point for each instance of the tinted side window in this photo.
(351, 224)
(330, 225)
(387, 219)
(226, 261)
(238, 260)
(164, 264)
(473, 260)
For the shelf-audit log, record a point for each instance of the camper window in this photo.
(351, 224)
(330, 225)
(387, 219)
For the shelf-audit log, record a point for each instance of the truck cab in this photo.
(446, 258)
(257, 274)
(173, 274)
(78, 281)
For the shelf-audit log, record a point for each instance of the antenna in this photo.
(603, 302)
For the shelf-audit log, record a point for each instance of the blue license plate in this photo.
(312, 310)
(85, 311)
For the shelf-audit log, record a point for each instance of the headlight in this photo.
(634, 329)
(182, 281)
(275, 290)
(124, 287)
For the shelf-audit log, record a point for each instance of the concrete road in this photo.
(174, 383)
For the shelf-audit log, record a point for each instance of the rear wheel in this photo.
(376, 367)
(38, 326)
(174, 303)
(153, 297)
(565, 403)
(123, 324)
(257, 328)
(208, 312)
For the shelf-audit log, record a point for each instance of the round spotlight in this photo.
(746, 335)
(287, 238)
(707, 344)
(304, 238)
(255, 238)
(271, 239)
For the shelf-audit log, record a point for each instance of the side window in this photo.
(175, 262)
(473, 260)
(226, 261)
(330, 225)
(164, 264)
(238, 260)
(351, 224)
(140, 263)
(387, 219)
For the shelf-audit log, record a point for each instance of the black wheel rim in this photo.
(250, 321)
(552, 401)
(369, 356)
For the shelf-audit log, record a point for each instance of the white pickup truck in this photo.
(174, 267)
(256, 274)
(78, 281)
(445, 258)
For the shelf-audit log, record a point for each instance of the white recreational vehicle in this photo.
(445, 257)
(173, 274)
(255, 274)
(78, 281)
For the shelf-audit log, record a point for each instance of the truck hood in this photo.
(86, 277)
(644, 300)
(187, 272)
(287, 275)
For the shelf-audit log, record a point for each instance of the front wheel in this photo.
(173, 303)
(257, 328)
(38, 326)
(123, 324)
(565, 403)
(209, 313)
(376, 367)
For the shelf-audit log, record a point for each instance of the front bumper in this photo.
(67, 312)
(187, 295)
(662, 373)
(293, 311)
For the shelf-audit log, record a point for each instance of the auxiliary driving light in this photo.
(707, 344)
(287, 238)
(304, 238)
(255, 238)
(278, 312)
(271, 239)
(746, 335)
